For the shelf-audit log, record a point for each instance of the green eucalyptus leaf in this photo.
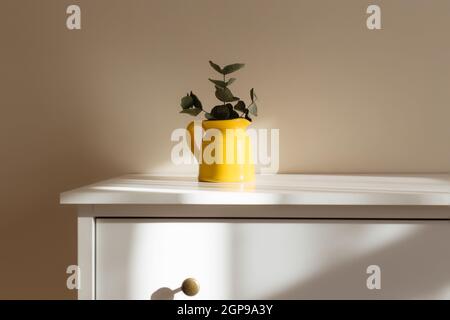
(232, 68)
(253, 95)
(196, 101)
(240, 106)
(209, 116)
(225, 95)
(230, 81)
(187, 102)
(234, 114)
(246, 115)
(253, 109)
(219, 83)
(220, 112)
(192, 111)
(216, 67)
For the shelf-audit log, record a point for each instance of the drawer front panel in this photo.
(272, 259)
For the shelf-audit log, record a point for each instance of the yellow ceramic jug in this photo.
(226, 153)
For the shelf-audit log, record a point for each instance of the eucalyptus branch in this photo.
(191, 104)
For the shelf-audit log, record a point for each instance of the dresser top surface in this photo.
(280, 189)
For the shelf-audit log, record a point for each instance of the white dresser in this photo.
(283, 237)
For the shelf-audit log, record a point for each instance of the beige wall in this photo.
(79, 106)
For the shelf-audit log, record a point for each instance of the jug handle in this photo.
(193, 146)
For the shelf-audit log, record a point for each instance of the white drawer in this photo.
(272, 259)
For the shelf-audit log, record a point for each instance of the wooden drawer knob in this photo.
(190, 287)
